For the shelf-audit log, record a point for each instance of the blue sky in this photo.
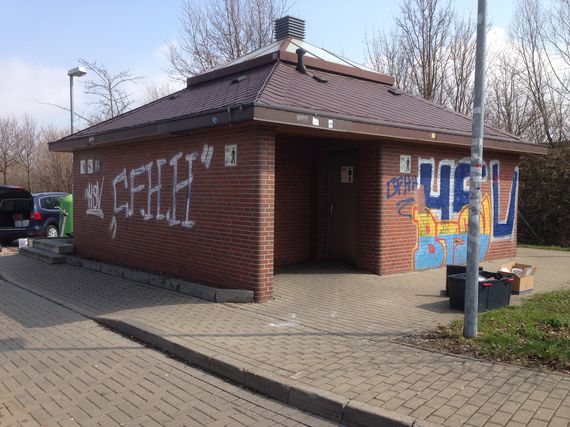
(40, 40)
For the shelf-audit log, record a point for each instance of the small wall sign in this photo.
(90, 166)
(230, 158)
(405, 164)
(347, 174)
(82, 167)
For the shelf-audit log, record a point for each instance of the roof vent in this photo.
(237, 79)
(289, 26)
(301, 61)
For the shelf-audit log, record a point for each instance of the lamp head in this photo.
(77, 72)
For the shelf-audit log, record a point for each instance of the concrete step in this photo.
(43, 255)
(57, 246)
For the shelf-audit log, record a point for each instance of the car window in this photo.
(47, 203)
(57, 201)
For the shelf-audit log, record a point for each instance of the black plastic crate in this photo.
(454, 269)
(494, 291)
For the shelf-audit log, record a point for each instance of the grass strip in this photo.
(534, 333)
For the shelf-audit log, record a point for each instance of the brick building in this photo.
(289, 154)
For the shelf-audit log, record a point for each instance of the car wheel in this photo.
(52, 231)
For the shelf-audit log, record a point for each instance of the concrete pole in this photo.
(472, 282)
(71, 100)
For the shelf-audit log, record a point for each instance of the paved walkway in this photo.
(333, 331)
(60, 368)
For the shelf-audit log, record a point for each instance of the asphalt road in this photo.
(60, 368)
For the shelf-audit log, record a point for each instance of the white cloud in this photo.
(497, 41)
(24, 85)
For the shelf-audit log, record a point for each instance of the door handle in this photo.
(330, 209)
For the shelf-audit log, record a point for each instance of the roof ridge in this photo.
(263, 86)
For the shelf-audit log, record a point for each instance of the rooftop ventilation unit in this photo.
(289, 26)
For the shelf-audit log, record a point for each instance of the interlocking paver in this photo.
(334, 331)
(103, 380)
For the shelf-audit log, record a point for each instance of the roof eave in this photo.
(177, 126)
(380, 129)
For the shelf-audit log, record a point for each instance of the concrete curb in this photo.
(302, 396)
(326, 404)
(206, 293)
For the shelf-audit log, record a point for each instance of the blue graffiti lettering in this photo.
(460, 190)
(403, 204)
(436, 199)
(503, 229)
(401, 185)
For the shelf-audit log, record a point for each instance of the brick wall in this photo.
(229, 226)
(428, 230)
(294, 200)
(369, 196)
(217, 229)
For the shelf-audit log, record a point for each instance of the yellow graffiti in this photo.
(428, 225)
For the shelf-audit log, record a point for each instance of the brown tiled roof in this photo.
(270, 82)
(361, 100)
(205, 97)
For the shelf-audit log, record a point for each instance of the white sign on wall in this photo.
(231, 155)
(347, 174)
(405, 164)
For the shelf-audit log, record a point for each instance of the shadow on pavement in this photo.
(86, 292)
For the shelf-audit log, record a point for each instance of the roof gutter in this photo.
(216, 118)
(377, 128)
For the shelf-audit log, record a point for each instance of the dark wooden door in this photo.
(343, 206)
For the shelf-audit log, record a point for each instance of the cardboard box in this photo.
(523, 276)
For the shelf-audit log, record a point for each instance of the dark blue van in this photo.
(46, 215)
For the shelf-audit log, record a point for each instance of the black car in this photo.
(16, 205)
(25, 215)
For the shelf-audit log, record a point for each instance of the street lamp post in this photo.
(74, 72)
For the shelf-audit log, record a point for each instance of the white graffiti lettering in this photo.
(206, 157)
(133, 183)
(93, 194)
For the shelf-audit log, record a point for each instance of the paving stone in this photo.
(331, 331)
(89, 392)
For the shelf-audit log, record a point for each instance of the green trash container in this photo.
(67, 206)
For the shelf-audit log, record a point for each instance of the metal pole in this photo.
(71, 100)
(472, 282)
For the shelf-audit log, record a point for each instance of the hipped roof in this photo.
(335, 96)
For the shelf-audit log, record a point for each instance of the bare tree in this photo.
(458, 83)
(509, 104)
(27, 142)
(218, 31)
(8, 145)
(385, 53)
(532, 43)
(418, 51)
(557, 41)
(157, 91)
(425, 27)
(53, 170)
(108, 90)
